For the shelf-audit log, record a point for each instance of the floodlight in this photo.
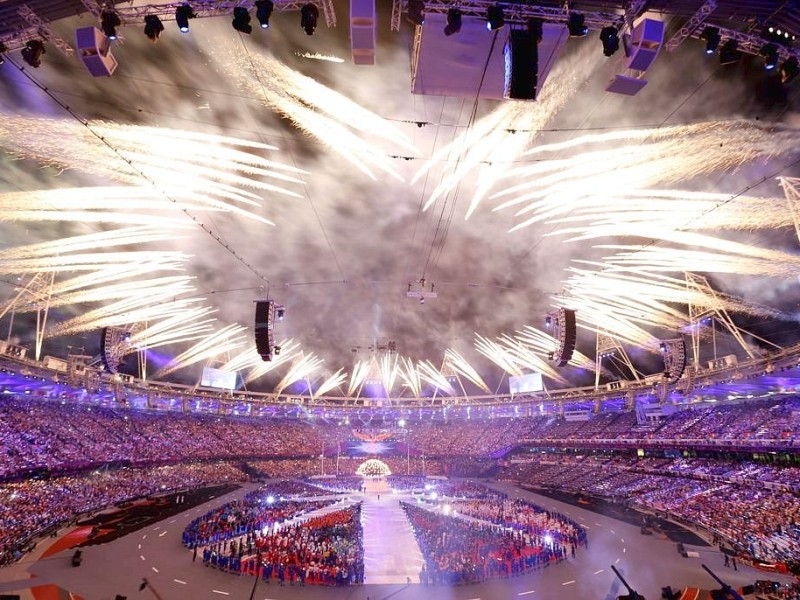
(453, 21)
(32, 53)
(577, 25)
(182, 15)
(309, 15)
(416, 12)
(241, 20)
(109, 21)
(729, 53)
(770, 54)
(264, 10)
(153, 27)
(610, 38)
(495, 17)
(712, 38)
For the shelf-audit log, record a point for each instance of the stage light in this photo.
(662, 346)
(109, 21)
(712, 38)
(548, 321)
(770, 54)
(264, 10)
(577, 25)
(495, 18)
(153, 27)
(32, 53)
(453, 22)
(182, 15)
(729, 53)
(401, 423)
(416, 12)
(270, 499)
(789, 70)
(610, 38)
(241, 20)
(309, 15)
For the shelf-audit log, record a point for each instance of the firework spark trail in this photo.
(116, 316)
(289, 351)
(357, 377)
(178, 284)
(335, 136)
(543, 343)
(430, 374)
(673, 154)
(498, 139)
(336, 121)
(156, 301)
(209, 167)
(169, 260)
(92, 241)
(170, 331)
(658, 259)
(100, 204)
(599, 215)
(331, 383)
(460, 365)
(310, 92)
(410, 377)
(303, 365)
(497, 354)
(524, 356)
(220, 342)
(389, 369)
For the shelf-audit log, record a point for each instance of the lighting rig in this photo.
(420, 291)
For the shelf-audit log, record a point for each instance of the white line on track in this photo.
(162, 534)
(142, 557)
(614, 532)
(598, 572)
(616, 561)
(219, 592)
(623, 550)
(140, 546)
(173, 520)
(179, 581)
(568, 582)
(157, 527)
(526, 593)
(154, 569)
(144, 537)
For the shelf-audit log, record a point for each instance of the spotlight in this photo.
(182, 15)
(770, 54)
(276, 350)
(712, 38)
(309, 15)
(789, 70)
(109, 21)
(280, 313)
(32, 53)
(416, 12)
(453, 21)
(241, 20)
(577, 25)
(548, 321)
(729, 53)
(662, 346)
(495, 18)
(153, 27)
(264, 12)
(610, 38)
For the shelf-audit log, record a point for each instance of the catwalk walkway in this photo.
(391, 554)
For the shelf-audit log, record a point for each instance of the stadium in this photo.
(377, 299)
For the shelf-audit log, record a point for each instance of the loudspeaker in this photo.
(568, 336)
(265, 312)
(522, 65)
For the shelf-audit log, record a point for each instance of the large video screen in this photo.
(372, 448)
(217, 378)
(524, 384)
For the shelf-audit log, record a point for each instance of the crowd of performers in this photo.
(281, 541)
(494, 537)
